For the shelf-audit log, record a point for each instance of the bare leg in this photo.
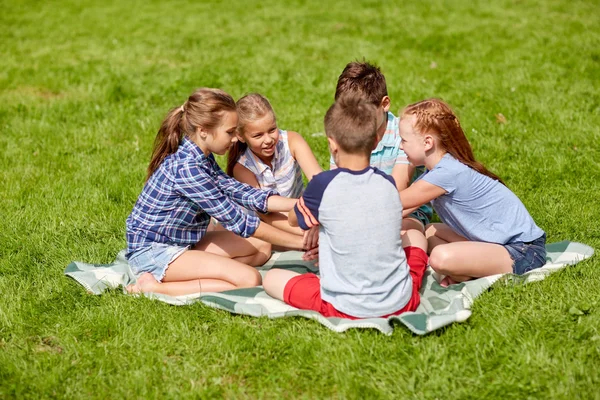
(275, 281)
(439, 233)
(412, 223)
(414, 238)
(251, 251)
(199, 271)
(462, 261)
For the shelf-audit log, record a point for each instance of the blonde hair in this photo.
(251, 107)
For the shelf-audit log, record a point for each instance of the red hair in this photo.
(436, 117)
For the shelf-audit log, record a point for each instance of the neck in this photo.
(434, 157)
(353, 162)
(200, 143)
(267, 160)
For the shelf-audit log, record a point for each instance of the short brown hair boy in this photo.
(352, 122)
(363, 79)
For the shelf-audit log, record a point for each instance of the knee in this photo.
(439, 260)
(263, 254)
(412, 224)
(429, 230)
(269, 280)
(250, 278)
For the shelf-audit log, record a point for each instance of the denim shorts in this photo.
(527, 256)
(421, 216)
(155, 259)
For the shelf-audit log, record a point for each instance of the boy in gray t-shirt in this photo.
(365, 272)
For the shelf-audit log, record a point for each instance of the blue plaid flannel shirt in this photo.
(178, 200)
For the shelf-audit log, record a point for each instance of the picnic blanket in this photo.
(440, 306)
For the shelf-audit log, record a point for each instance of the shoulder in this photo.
(321, 180)
(245, 159)
(388, 178)
(290, 138)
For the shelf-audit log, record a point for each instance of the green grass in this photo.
(84, 87)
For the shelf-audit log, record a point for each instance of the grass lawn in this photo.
(83, 89)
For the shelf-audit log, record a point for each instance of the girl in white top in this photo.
(269, 158)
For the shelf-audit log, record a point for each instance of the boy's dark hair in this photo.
(352, 122)
(363, 79)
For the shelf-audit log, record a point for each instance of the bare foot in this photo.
(145, 284)
(447, 281)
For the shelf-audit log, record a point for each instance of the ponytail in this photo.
(204, 108)
(234, 154)
(167, 139)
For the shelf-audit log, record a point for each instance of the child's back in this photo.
(363, 266)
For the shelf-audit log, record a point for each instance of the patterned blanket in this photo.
(439, 306)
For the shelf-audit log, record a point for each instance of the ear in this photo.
(385, 103)
(240, 137)
(333, 146)
(201, 132)
(428, 142)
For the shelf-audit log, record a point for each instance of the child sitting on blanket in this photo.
(365, 272)
(269, 158)
(168, 246)
(486, 229)
(367, 81)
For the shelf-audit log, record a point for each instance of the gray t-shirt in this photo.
(363, 266)
(479, 207)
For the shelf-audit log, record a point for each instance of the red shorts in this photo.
(304, 291)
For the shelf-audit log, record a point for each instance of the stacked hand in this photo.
(311, 244)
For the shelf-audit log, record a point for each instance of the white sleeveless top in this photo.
(286, 175)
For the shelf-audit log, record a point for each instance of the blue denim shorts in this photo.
(155, 259)
(420, 215)
(527, 256)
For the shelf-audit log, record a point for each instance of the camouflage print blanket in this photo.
(439, 306)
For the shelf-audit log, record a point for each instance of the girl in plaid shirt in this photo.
(168, 246)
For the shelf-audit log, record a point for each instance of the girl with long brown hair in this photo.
(486, 229)
(168, 245)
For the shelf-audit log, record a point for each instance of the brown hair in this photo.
(204, 108)
(436, 117)
(352, 122)
(251, 107)
(363, 79)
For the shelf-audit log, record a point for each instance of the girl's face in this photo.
(261, 136)
(222, 137)
(413, 143)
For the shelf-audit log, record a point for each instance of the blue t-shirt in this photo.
(478, 207)
(363, 266)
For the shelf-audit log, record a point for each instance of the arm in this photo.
(244, 175)
(419, 193)
(303, 154)
(274, 203)
(280, 204)
(199, 184)
(278, 237)
(402, 174)
(292, 218)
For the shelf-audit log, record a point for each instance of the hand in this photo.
(311, 238)
(312, 254)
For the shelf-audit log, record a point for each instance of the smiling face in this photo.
(413, 143)
(220, 139)
(261, 136)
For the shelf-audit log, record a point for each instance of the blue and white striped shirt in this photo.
(187, 189)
